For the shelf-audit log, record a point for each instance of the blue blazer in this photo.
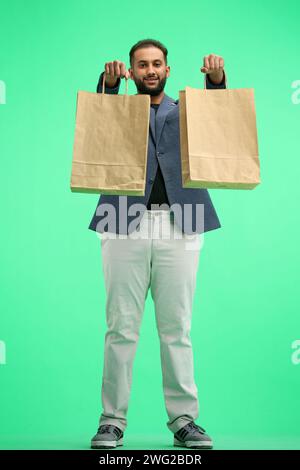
(163, 150)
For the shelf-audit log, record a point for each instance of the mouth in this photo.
(151, 80)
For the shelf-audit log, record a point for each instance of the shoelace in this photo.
(106, 427)
(194, 427)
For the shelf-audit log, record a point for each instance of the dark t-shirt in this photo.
(158, 194)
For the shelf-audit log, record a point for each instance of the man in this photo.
(131, 266)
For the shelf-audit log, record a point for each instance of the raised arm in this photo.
(213, 67)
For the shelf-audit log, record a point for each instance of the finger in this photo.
(111, 69)
(117, 68)
(212, 62)
(122, 69)
(206, 62)
(221, 62)
(217, 62)
(204, 69)
(106, 67)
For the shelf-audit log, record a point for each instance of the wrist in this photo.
(216, 78)
(110, 84)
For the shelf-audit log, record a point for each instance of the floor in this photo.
(148, 442)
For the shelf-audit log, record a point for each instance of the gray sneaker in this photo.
(107, 436)
(192, 435)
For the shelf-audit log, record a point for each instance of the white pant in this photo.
(166, 260)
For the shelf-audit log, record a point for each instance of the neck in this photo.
(157, 99)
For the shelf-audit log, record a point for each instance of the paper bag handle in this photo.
(126, 84)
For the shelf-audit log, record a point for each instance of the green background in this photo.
(246, 308)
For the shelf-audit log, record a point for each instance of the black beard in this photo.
(143, 89)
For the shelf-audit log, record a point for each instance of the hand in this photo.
(113, 71)
(213, 65)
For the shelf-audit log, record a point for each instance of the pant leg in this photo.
(173, 280)
(126, 268)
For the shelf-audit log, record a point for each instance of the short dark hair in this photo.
(147, 43)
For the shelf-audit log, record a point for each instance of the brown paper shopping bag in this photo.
(218, 138)
(111, 143)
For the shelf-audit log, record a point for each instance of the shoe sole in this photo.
(193, 444)
(106, 444)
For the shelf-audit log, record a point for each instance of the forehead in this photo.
(148, 54)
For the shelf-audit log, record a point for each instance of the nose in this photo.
(150, 72)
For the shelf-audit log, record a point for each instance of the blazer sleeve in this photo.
(108, 90)
(212, 86)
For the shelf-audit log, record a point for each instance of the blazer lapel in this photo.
(165, 106)
(157, 120)
(152, 121)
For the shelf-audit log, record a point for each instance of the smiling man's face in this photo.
(149, 71)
